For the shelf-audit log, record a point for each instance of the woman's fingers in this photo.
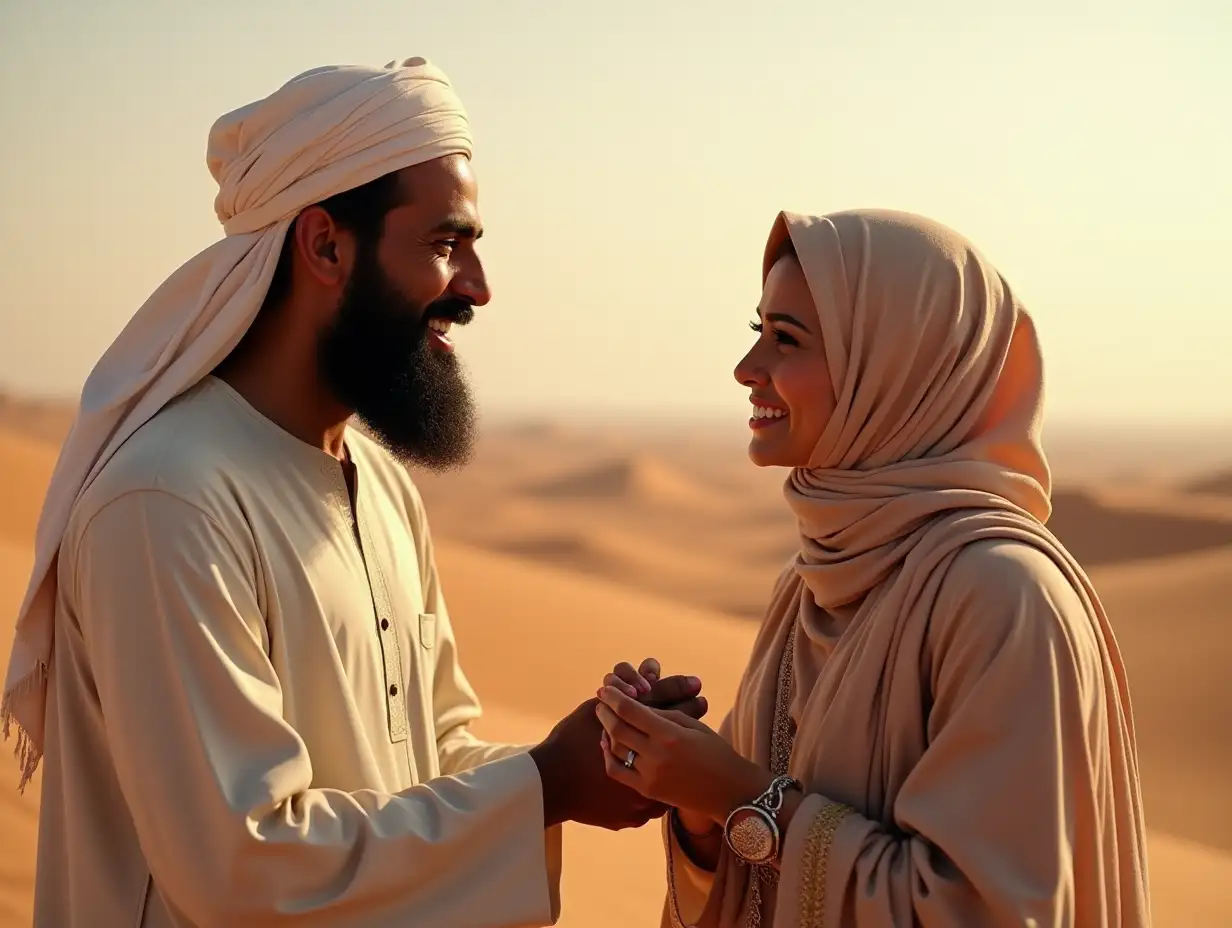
(613, 680)
(688, 714)
(620, 732)
(615, 748)
(635, 685)
(617, 770)
(649, 723)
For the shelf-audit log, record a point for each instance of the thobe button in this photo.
(393, 690)
(384, 625)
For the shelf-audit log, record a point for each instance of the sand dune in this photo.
(26, 464)
(633, 480)
(558, 633)
(1099, 532)
(1215, 484)
(562, 553)
(670, 570)
(47, 420)
(1173, 621)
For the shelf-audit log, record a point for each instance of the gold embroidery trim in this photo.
(813, 862)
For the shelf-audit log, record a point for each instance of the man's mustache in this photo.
(457, 310)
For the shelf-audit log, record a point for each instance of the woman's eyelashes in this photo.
(779, 335)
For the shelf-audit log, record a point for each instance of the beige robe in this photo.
(962, 722)
(964, 782)
(253, 720)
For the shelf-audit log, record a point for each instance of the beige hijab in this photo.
(934, 446)
(328, 130)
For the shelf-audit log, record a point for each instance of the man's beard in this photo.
(376, 359)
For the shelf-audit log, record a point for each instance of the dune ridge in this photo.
(629, 480)
(1219, 484)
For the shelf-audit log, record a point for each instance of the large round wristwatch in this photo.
(752, 831)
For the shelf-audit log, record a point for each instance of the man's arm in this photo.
(218, 783)
(455, 705)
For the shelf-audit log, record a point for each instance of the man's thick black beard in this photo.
(376, 358)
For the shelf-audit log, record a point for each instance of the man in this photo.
(256, 714)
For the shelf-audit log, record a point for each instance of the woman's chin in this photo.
(770, 450)
(765, 453)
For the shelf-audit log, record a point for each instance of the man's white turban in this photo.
(326, 131)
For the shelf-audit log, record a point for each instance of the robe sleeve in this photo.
(454, 701)
(688, 885)
(983, 829)
(219, 784)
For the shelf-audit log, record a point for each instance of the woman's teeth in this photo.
(763, 412)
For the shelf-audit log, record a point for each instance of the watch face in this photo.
(752, 836)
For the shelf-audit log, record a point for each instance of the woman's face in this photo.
(786, 372)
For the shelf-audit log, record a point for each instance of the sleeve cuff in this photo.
(532, 855)
(804, 872)
(689, 884)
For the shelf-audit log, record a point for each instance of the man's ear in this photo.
(324, 250)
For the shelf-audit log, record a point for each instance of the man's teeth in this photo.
(440, 325)
(763, 412)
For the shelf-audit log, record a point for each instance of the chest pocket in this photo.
(427, 630)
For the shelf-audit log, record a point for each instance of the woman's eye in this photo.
(783, 338)
(779, 335)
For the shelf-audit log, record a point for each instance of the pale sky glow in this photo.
(632, 156)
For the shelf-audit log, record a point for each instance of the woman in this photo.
(934, 727)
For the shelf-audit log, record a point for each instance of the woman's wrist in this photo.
(750, 782)
(749, 786)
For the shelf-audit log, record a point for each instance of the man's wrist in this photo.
(554, 782)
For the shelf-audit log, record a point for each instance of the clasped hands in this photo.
(670, 757)
(678, 760)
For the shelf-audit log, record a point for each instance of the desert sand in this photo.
(566, 548)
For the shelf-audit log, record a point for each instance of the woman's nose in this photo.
(748, 372)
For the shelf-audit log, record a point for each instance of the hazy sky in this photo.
(632, 156)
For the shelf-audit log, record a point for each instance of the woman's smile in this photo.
(765, 416)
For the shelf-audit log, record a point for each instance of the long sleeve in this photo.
(688, 885)
(218, 783)
(1016, 813)
(454, 700)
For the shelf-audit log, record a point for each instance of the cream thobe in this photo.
(257, 711)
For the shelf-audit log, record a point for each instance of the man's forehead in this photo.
(441, 178)
(443, 193)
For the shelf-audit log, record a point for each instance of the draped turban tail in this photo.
(326, 131)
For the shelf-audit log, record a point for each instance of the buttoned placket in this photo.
(386, 628)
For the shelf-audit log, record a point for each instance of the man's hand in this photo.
(576, 786)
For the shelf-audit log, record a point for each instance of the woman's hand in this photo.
(678, 761)
(634, 683)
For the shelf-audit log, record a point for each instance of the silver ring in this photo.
(630, 758)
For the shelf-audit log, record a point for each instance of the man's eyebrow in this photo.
(462, 228)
